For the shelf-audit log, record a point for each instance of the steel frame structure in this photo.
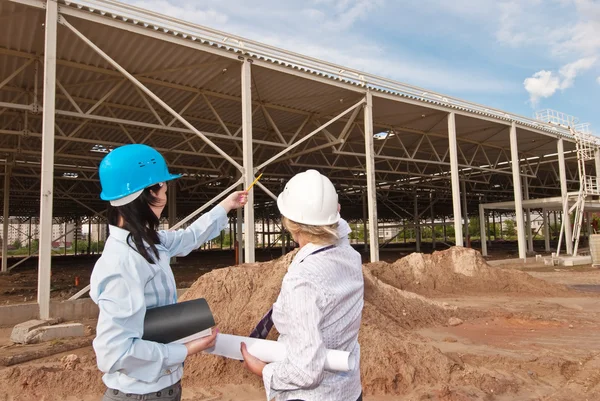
(231, 108)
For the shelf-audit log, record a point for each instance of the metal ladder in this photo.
(586, 146)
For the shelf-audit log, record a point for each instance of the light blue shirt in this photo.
(124, 285)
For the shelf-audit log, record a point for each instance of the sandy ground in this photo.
(550, 345)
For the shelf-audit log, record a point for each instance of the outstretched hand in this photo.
(252, 363)
(235, 201)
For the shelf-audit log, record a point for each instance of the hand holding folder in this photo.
(178, 323)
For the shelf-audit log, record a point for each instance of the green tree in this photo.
(510, 228)
(474, 229)
(17, 244)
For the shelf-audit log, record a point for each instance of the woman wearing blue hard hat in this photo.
(133, 274)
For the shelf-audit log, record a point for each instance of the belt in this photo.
(167, 391)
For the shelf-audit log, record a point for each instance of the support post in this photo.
(249, 228)
(365, 218)
(47, 170)
(432, 221)
(528, 216)
(494, 225)
(444, 228)
(484, 250)
(5, 217)
(29, 236)
(89, 235)
(239, 236)
(371, 189)
(562, 170)
(516, 170)
(283, 240)
(546, 223)
(465, 213)
(172, 209)
(417, 224)
(452, 147)
(75, 237)
(588, 219)
(597, 164)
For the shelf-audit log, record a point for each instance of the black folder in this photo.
(169, 323)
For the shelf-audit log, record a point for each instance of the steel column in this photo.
(47, 173)
(172, 209)
(452, 147)
(597, 165)
(417, 221)
(565, 197)
(371, 188)
(528, 216)
(5, 217)
(514, 153)
(484, 250)
(546, 223)
(465, 214)
(249, 228)
(432, 221)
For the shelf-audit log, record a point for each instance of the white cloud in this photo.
(573, 41)
(598, 80)
(544, 84)
(570, 71)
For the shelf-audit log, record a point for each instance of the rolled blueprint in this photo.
(228, 345)
(180, 322)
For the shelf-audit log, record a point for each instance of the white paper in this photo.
(268, 351)
(200, 334)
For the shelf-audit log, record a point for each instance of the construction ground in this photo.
(451, 327)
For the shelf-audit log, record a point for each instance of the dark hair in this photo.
(141, 222)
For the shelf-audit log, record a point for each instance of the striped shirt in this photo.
(319, 307)
(124, 285)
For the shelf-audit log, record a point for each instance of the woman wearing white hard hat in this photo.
(321, 299)
(133, 274)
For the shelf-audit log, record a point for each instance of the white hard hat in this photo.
(309, 198)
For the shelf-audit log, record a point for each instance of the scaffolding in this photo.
(587, 148)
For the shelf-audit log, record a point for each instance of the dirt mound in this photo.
(458, 270)
(240, 295)
(56, 380)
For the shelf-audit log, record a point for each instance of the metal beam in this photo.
(514, 151)
(546, 223)
(371, 183)
(5, 217)
(458, 231)
(484, 250)
(47, 185)
(565, 197)
(249, 245)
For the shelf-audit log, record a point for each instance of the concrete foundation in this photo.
(49, 333)
(21, 331)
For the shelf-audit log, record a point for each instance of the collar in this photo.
(118, 233)
(308, 250)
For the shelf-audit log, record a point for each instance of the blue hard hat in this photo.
(128, 170)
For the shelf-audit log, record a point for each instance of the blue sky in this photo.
(516, 55)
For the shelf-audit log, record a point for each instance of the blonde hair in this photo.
(318, 235)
